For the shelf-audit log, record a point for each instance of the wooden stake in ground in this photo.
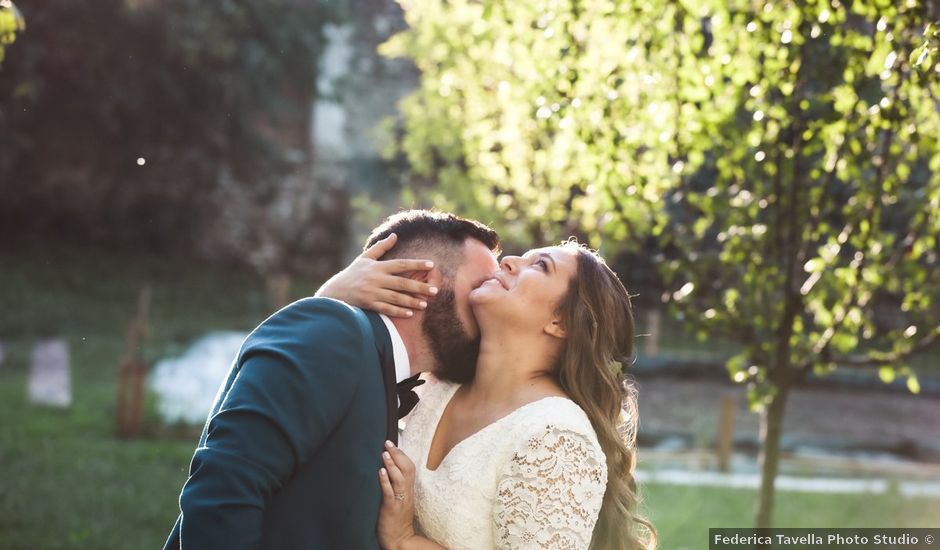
(726, 433)
(132, 371)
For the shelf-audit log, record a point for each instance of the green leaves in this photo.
(886, 374)
(779, 154)
(543, 106)
(11, 22)
(925, 57)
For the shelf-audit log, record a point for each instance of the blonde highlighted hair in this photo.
(598, 317)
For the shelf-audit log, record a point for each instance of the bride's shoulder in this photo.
(556, 415)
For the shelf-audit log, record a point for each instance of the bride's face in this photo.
(526, 291)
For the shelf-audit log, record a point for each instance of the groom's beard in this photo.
(455, 353)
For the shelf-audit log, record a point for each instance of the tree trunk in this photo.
(771, 429)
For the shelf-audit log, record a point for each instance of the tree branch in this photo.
(888, 359)
(822, 346)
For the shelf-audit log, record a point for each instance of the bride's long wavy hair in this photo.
(598, 317)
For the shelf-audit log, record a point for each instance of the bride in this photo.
(537, 450)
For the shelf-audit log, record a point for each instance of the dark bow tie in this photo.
(407, 398)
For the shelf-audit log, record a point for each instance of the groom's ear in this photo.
(556, 328)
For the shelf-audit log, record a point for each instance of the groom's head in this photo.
(464, 253)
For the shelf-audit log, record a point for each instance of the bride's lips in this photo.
(497, 280)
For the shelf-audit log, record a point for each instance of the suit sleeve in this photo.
(298, 373)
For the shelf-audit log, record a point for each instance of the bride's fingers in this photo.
(391, 311)
(393, 298)
(388, 494)
(404, 266)
(400, 459)
(379, 249)
(394, 473)
(404, 284)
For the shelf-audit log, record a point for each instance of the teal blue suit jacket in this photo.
(290, 453)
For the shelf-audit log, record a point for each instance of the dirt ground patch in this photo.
(821, 417)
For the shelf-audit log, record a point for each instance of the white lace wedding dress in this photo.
(533, 479)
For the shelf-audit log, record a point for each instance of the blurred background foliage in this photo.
(11, 22)
(119, 119)
(782, 158)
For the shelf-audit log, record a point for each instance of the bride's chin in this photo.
(482, 295)
(485, 305)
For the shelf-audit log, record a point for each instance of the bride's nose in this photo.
(510, 264)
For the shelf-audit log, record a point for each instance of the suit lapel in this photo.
(383, 344)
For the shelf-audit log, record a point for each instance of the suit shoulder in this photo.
(325, 305)
(325, 312)
(312, 325)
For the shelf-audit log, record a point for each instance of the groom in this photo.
(290, 452)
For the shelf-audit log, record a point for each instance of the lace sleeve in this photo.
(550, 493)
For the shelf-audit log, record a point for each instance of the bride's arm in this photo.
(550, 493)
(397, 514)
(378, 285)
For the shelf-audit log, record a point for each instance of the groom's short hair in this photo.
(438, 236)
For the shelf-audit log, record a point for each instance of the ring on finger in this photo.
(400, 497)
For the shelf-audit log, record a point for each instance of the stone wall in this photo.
(311, 222)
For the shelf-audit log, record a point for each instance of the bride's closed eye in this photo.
(546, 263)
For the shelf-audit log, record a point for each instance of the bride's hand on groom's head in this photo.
(381, 285)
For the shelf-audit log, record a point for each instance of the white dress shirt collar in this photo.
(400, 353)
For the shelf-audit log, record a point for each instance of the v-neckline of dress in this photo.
(447, 401)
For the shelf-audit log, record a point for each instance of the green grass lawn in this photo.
(683, 515)
(67, 482)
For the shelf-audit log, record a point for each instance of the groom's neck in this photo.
(420, 357)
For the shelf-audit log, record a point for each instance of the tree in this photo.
(817, 237)
(784, 157)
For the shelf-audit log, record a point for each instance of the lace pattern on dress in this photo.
(550, 493)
